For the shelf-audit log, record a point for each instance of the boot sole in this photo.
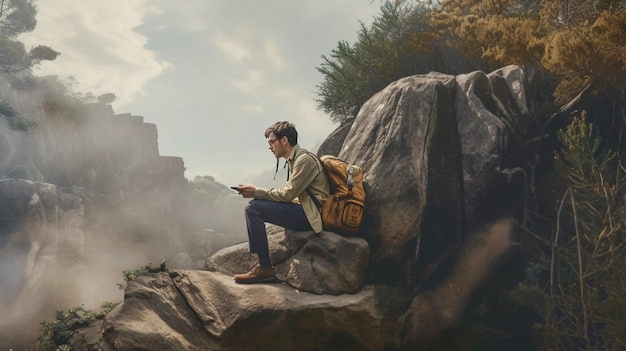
(256, 281)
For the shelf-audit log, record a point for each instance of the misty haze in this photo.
(84, 196)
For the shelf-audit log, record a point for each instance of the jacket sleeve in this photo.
(305, 169)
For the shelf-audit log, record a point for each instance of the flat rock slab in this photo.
(200, 310)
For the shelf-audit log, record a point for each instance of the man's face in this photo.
(276, 145)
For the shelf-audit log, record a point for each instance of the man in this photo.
(289, 207)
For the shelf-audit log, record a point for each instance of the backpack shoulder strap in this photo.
(308, 190)
(319, 162)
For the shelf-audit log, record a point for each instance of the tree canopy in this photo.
(395, 45)
(580, 44)
(17, 17)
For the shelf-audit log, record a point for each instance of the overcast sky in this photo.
(211, 74)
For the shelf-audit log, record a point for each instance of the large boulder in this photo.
(436, 150)
(494, 123)
(334, 141)
(324, 263)
(405, 139)
(440, 312)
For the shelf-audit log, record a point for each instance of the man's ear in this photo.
(284, 140)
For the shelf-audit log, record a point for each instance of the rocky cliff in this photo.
(83, 194)
(444, 160)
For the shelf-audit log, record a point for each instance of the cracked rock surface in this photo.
(324, 263)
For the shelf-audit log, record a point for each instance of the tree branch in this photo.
(569, 106)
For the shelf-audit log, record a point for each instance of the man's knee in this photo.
(262, 209)
(252, 208)
(251, 204)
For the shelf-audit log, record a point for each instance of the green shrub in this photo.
(58, 333)
(131, 275)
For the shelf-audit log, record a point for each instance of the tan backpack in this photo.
(342, 212)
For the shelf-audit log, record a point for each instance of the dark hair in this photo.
(281, 129)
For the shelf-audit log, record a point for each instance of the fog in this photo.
(36, 284)
(87, 282)
(85, 196)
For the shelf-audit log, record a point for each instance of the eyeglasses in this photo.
(271, 141)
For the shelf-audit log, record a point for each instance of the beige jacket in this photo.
(305, 172)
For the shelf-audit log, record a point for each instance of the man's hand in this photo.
(247, 190)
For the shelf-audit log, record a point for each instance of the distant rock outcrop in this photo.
(41, 225)
(443, 156)
(84, 181)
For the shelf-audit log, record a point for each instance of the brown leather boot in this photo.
(257, 275)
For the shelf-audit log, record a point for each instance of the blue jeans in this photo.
(285, 214)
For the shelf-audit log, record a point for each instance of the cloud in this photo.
(273, 54)
(98, 45)
(190, 17)
(231, 49)
(203, 70)
(251, 81)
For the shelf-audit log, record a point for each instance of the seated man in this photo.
(289, 207)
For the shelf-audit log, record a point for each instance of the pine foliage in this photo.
(589, 54)
(494, 33)
(396, 45)
(581, 273)
(16, 122)
(17, 17)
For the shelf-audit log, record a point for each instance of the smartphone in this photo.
(236, 188)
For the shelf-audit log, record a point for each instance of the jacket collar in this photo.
(294, 153)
